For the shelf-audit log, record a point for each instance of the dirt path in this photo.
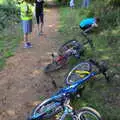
(22, 82)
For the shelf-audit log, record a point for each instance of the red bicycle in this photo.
(70, 48)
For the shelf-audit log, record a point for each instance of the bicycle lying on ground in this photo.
(84, 68)
(70, 48)
(60, 102)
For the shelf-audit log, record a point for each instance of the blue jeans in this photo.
(85, 3)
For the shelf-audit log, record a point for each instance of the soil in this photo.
(23, 83)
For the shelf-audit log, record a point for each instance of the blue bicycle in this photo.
(84, 68)
(60, 103)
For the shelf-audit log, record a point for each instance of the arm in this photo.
(95, 25)
(88, 29)
(92, 26)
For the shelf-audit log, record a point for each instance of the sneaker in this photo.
(27, 45)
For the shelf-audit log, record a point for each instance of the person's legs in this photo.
(38, 23)
(86, 28)
(83, 4)
(25, 37)
(27, 29)
(87, 3)
(42, 21)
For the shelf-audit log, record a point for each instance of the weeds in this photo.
(103, 97)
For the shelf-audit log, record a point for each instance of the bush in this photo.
(115, 3)
(8, 15)
(10, 31)
(103, 97)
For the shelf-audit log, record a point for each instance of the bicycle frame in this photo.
(73, 88)
(63, 94)
(59, 59)
(68, 110)
(88, 40)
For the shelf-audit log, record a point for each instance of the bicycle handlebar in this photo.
(101, 67)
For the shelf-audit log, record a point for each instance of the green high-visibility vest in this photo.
(26, 11)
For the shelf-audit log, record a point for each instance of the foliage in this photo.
(10, 30)
(114, 2)
(103, 97)
(62, 2)
(8, 15)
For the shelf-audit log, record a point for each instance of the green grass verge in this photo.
(10, 30)
(103, 97)
(9, 40)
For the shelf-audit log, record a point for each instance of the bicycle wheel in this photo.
(69, 44)
(73, 76)
(66, 117)
(87, 113)
(45, 110)
(52, 67)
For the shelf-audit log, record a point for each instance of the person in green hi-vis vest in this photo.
(26, 17)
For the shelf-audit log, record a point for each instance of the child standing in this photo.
(26, 17)
(39, 12)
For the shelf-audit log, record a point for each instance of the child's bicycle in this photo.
(85, 68)
(60, 103)
(70, 48)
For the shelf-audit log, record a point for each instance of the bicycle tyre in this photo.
(72, 77)
(82, 113)
(67, 117)
(47, 109)
(67, 46)
(52, 67)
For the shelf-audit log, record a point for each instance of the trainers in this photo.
(27, 45)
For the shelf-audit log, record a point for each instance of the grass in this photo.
(10, 31)
(103, 97)
(9, 41)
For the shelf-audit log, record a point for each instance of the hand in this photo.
(94, 25)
